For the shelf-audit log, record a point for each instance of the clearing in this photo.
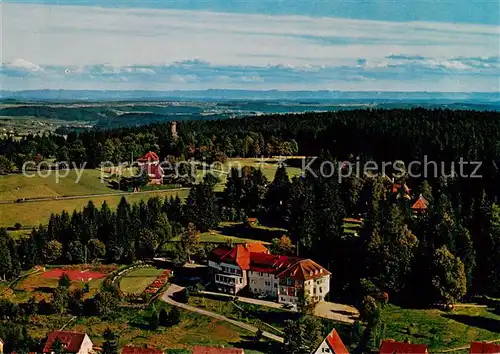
(442, 330)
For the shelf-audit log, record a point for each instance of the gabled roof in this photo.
(214, 350)
(72, 341)
(304, 269)
(150, 156)
(239, 254)
(138, 350)
(335, 343)
(270, 263)
(256, 247)
(480, 348)
(393, 347)
(1, 341)
(420, 204)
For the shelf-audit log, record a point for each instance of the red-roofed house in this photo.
(139, 350)
(420, 205)
(332, 344)
(150, 157)
(73, 342)
(481, 347)
(266, 274)
(393, 347)
(198, 349)
(150, 165)
(1, 345)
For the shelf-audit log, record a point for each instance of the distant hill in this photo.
(228, 95)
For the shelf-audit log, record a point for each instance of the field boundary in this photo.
(86, 196)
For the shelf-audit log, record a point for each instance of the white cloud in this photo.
(165, 48)
(22, 64)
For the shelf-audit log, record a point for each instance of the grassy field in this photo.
(29, 214)
(237, 233)
(33, 214)
(442, 330)
(16, 186)
(138, 280)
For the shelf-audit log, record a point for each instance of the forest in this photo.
(446, 254)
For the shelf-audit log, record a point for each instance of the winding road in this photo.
(167, 297)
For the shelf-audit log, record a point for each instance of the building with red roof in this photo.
(198, 349)
(332, 344)
(149, 157)
(72, 342)
(150, 165)
(393, 347)
(265, 274)
(421, 205)
(138, 350)
(1, 345)
(483, 347)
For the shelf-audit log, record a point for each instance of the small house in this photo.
(251, 222)
(483, 347)
(392, 347)
(1, 346)
(198, 349)
(138, 350)
(420, 206)
(72, 342)
(332, 344)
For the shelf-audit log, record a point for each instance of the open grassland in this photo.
(90, 184)
(138, 280)
(442, 330)
(16, 186)
(33, 214)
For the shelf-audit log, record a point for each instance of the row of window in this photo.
(228, 280)
(267, 283)
(230, 270)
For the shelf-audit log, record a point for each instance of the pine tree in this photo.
(448, 276)
(5, 257)
(277, 195)
(110, 345)
(190, 240)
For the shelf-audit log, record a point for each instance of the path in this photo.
(84, 196)
(330, 310)
(167, 297)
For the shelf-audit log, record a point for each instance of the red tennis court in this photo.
(74, 274)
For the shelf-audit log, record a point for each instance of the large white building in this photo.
(281, 277)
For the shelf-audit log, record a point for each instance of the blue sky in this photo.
(365, 45)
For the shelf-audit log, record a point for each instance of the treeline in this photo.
(442, 255)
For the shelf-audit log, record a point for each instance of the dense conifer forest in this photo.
(448, 253)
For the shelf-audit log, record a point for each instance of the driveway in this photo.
(167, 297)
(336, 312)
(330, 310)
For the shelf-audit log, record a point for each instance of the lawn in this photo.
(238, 233)
(442, 330)
(138, 280)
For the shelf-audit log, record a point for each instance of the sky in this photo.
(362, 45)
